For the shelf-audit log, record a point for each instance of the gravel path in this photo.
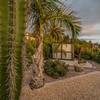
(83, 87)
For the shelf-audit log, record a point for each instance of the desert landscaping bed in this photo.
(83, 85)
(90, 66)
(70, 73)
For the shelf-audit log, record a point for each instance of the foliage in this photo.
(87, 52)
(47, 47)
(55, 68)
(30, 49)
(96, 57)
(31, 45)
(86, 55)
(47, 50)
(53, 17)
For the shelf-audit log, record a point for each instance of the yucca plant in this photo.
(11, 40)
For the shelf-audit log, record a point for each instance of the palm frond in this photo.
(55, 10)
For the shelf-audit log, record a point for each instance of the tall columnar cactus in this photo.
(11, 40)
(20, 28)
(4, 75)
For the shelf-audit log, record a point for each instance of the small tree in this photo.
(43, 14)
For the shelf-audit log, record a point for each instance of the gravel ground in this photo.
(83, 87)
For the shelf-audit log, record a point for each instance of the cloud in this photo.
(89, 12)
(91, 29)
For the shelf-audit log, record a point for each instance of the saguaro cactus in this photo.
(4, 93)
(11, 40)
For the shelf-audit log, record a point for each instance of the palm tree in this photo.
(56, 35)
(11, 40)
(43, 14)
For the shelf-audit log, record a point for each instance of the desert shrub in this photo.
(30, 50)
(78, 68)
(47, 51)
(55, 68)
(86, 55)
(96, 57)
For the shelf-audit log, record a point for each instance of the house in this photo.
(64, 51)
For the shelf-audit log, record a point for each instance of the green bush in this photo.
(87, 55)
(30, 50)
(47, 51)
(96, 57)
(55, 69)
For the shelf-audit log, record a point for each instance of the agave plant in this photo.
(43, 14)
(12, 25)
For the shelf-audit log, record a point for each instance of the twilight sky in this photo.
(89, 12)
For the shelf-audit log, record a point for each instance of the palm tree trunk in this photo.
(37, 68)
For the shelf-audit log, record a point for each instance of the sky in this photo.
(89, 12)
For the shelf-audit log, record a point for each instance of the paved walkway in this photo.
(83, 87)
